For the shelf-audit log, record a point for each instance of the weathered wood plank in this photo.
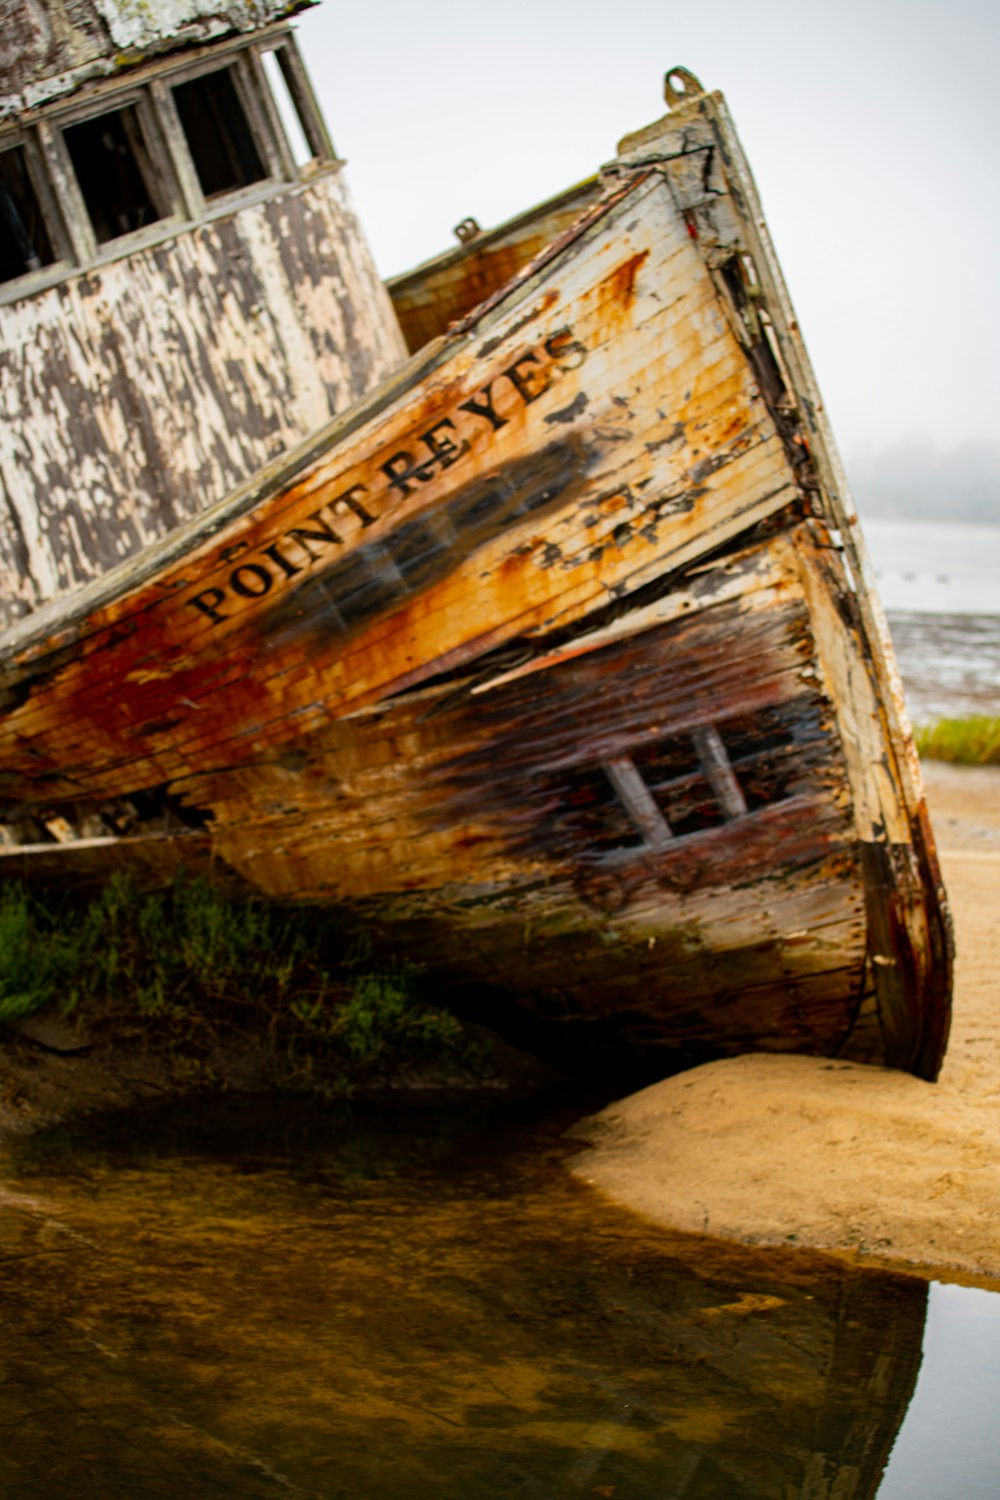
(52, 49)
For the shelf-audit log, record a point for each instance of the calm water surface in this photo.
(940, 586)
(931, 567)
(253, 1300)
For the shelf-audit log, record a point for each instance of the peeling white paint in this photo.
(134, 24)
(49, 49)
(136, 393)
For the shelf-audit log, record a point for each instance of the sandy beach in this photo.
(777, 1150)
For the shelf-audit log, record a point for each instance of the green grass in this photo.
(188, 972)
(966, 742)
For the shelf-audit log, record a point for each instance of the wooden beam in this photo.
(715, 764)
(638, 801)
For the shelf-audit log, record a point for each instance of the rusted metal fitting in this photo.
(468, 230)
(680, 86)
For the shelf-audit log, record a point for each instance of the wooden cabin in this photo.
(184, 288)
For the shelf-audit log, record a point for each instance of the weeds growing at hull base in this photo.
(189, 972)
(965, 742)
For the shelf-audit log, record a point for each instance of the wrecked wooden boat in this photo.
(553, 660)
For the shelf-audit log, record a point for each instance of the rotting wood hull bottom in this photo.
(576, 977)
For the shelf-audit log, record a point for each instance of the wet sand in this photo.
(773, 1150)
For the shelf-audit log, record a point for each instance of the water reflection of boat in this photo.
(824, 1382)
(553, 658)
(520, 1338)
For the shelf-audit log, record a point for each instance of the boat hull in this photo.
(549, 663)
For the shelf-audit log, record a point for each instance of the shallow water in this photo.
(247, 1299)
(940, 585)
(935, 567)
(950, 664)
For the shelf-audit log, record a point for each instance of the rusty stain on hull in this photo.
(545, 660)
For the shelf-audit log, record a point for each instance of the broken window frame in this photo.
(302, 99)
(633, 821)
(177, 188)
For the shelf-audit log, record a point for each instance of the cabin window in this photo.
(305, 140)
(24, 240)
(111, 159)
(218, 133)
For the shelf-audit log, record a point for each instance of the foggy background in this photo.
(872, 129)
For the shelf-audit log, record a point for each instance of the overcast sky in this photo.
(873, 128)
